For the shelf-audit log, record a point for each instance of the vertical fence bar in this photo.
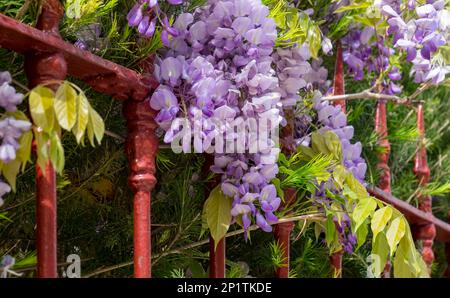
(339, 82)
(282, 231)
(41, 67)
(216, 258)
(338, 89)
(141, 147)
(383, 143)
(426, 232)
(217, 253)
(383, 158)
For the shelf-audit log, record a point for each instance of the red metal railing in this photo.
(338, 89)
(48, 57)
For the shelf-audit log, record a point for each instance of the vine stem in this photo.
(368, 94)
(203, 242)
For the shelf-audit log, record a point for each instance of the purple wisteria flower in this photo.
(218, 69)
(358, 53)
(421, 37)
(144, 15)
(11, 129)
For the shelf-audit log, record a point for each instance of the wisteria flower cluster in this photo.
(219, 66)
(296, 73)
(421, 37)
(11, 129)
(146, 13)
(358, 54)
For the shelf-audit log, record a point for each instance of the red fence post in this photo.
(338, 89)
(383, 157)
(216, 258)
(41, 67)
(217, 254)
(141, 147)
(426, 232)
(282, 231)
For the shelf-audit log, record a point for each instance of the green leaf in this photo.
(317, 230)
(56, 153)
(218, 214)
(331, 236)
(402, 261)
(96, 127)
(361, 234)
(315, 40)
(24, 151)
(10, 171)
(380, 219)
(395, 232)
(352, 7)
(82, 118)
(340, 175)
(41, 107)
(363, 210)
(42, 149)
(380, 248)
(65, 106)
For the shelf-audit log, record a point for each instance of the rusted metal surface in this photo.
(141, 147)
(41, 67)
(102, 75)
(414, 215)
(383, 157)
(425, 232)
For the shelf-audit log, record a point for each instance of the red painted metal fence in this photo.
(48, 58)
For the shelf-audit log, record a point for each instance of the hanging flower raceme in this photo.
(422, 37)
(11, 129)
(358, 47)
(218, 73)
(145, 15)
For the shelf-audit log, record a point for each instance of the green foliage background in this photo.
(95, 204)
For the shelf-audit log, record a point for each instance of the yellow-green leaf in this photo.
(361, 234)
(10, 171)
(41, 107)
(82, 117)
(395, 232)
(42, 143)
(352, 6)
(380, 248)
(380, 219)
(65, 106)
(96, 127)
(363, 210)
(56, 153)
(339, 175)
(24, 151)
(218, 213)
(403, 268)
